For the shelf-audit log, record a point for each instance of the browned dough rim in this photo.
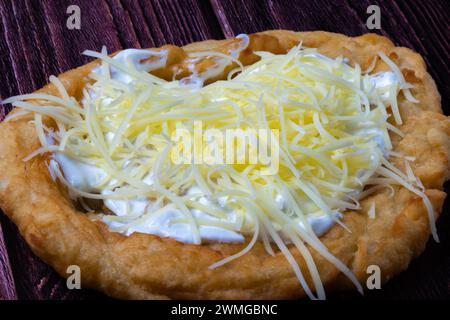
(144, 266)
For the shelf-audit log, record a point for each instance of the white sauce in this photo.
(161, 224)
(133, 207)
(322, 223)
(382, 82)
(194, 81)
(80, 175)
(87, 177)
(133, 58)
(242, 45)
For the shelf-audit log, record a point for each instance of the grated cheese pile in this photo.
(333, 145)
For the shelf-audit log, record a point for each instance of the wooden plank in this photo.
(14, 50)
(413, 24)
(7, 285)
(37, 44)
(252, 16)
(182, 21)
(141, 30)
(155, 23)
(9, 83)
(97, 30)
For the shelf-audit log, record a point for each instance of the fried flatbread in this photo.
(143, 266)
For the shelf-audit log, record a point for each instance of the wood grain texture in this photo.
(35, 43)
(7, 284)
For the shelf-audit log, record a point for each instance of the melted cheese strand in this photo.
(430, 211)
(243, 251)
(403, 84)
(288, 255)
(309, 262)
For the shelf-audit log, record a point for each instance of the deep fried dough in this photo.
(143, 266)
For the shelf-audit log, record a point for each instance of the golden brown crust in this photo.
(144, 266)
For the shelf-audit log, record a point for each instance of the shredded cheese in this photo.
(334, 130)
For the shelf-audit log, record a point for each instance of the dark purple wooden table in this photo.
(35, 43)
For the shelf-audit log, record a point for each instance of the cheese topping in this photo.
(333, 144)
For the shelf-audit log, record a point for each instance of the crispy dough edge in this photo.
(144, 266)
